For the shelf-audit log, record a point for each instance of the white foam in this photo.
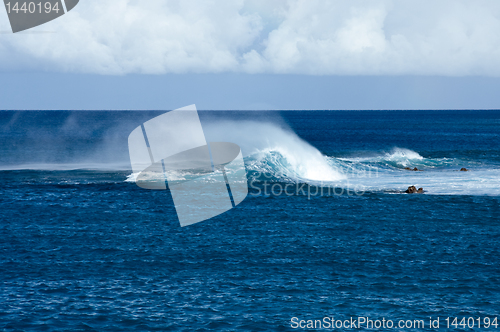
(400, 156)
(434, 182)
(400, 153)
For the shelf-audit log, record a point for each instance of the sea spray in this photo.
(274, 149)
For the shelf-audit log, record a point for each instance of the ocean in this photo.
(83, 248)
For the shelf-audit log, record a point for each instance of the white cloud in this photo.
(349, 37)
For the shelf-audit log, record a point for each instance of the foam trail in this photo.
(481, 182)
(440, 176)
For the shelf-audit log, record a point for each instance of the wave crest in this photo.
(276, 150)
(401, 158)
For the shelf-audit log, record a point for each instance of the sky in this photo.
(256, 54)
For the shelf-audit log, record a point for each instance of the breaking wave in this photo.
(275, 153)
(273, 150)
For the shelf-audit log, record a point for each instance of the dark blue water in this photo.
(86, 250)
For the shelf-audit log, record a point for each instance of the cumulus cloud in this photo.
(341, 37)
